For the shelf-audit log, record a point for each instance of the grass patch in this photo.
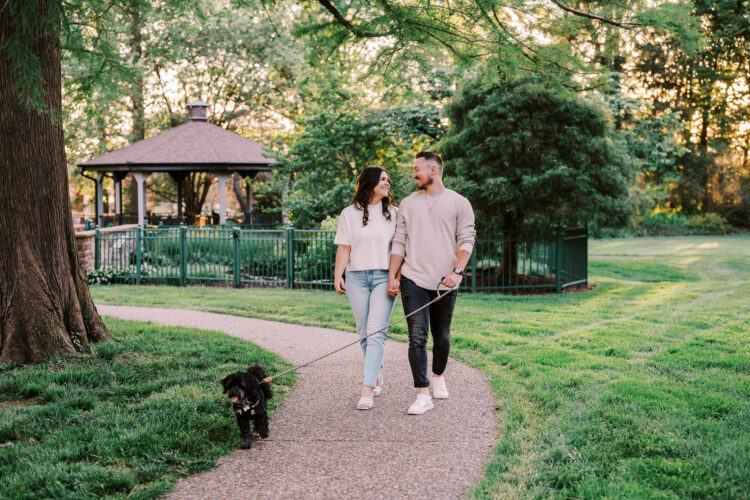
(128, 420)
(637, 389)
(640, 271)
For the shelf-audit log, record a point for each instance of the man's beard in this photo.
(427, 183)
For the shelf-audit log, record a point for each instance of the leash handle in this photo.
(295, 368)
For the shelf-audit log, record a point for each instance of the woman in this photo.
(364, 235)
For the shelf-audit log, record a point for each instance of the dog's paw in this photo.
(247, 444)
(254, 434)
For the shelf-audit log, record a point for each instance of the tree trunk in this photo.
(45, 305)
(196, 190)
(138, 132)
(237, 183)
(136, 94)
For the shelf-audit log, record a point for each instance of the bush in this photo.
(709, 223)
(675, 224)
(100, 276)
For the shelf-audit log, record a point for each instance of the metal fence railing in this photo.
(508, 261)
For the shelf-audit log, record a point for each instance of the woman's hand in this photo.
(394, 287)
(339, 285)
(342, 259)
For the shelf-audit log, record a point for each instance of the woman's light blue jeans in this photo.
(372, 307)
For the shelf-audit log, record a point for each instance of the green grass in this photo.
(637, 389)
(126, 421)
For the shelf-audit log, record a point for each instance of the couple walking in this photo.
(386, 251)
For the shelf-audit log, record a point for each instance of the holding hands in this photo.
(394, 287)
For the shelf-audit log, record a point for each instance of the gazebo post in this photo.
(179, 198)
(249, 198)
(119, 176)
(140, 178)
(222, 178)
(99, 199)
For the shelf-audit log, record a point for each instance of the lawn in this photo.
(637, 389)
(126, 421)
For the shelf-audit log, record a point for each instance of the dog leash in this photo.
(439, 296)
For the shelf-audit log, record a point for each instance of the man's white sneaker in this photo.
(420, 405)
(439, 389)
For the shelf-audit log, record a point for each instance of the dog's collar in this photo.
(245, 406)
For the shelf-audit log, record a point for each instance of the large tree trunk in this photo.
(45, 305)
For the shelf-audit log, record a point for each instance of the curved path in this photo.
(321, 446)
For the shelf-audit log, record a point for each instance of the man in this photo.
(433, 241)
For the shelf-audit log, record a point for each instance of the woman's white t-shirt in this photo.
(370, 244)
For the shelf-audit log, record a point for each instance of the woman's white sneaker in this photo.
(439, 389)
(420, 405)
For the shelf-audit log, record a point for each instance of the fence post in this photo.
(474, 269)
(183, 255)
(97, 249)
(290, 258)
(559, 259)
(586, 254)
(236, 270)
(138, 255)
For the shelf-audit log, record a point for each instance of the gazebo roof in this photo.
(194, 146)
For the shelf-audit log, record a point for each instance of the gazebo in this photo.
(194, 146)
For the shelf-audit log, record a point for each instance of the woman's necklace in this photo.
(436, 198)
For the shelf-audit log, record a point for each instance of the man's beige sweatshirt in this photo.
(430, 230)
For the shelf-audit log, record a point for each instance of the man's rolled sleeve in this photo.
(465, 232)
(398, 245)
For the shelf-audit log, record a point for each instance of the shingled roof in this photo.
(193, 146)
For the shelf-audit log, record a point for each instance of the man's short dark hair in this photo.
(432, 156)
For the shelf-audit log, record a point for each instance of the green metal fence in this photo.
(528, 260)
(510, 261)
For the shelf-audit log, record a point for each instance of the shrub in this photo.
(100, 276)
(666, 224)
(709, 223)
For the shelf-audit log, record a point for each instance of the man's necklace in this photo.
(436, 199)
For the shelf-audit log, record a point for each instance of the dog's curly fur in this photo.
(249, 393)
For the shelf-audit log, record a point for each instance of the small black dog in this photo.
(249, 393)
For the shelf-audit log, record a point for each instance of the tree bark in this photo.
(136, 94)
(196, 191)
(237, 183)
(45, 304)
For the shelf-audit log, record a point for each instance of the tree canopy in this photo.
(526, 154)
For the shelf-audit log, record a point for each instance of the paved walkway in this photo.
(321, 446)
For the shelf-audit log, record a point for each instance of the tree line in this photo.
(554, 112)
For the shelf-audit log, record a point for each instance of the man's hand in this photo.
(451, 279)
(394, 287)
(339, 285)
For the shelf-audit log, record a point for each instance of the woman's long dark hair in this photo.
(368, 179)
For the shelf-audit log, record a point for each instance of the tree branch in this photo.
(348, 25)
(594, 16)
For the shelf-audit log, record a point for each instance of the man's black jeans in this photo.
(436, 318)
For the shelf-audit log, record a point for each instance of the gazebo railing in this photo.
(256, 220)
(509, 261)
